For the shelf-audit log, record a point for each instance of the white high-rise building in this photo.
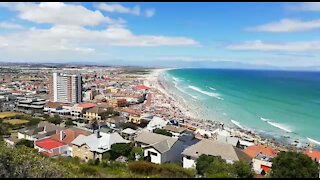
(65, 88)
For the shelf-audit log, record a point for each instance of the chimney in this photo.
(61, 135)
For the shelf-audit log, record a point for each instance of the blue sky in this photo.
(264, 34)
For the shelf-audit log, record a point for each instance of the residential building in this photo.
(214, 148)
(51, 147)
(176, 131)
(159, 148)
(117, 102)
(79, 109)
(128, 134)
(156, 122)
(261, 157)
(262, 164)
(65, 88)
(94, 145)
(30, 105)
(255, 150)
(95, 113)
(44, 129)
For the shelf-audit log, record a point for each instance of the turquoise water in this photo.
(277, 104)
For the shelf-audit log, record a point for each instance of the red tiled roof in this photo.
(69, 135)
(141, 86)
(53, 104)
(86, 105)
(49, 143)
(107, 78)
(130, 111)
(313, 154)
(254, 150)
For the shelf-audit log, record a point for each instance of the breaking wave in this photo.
(236, 123)
(214, 89)
(314, 141)
(277, 125)
(216, 95)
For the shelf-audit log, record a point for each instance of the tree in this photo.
(120, 149)
(136, 152)
(55, 120)
(203, 162)
(25, 142)
(162, 131)
(69, 122)
(23, 162)
(242, 169)
(294, 165)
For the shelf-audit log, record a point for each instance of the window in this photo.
(188, 157)
(153, 154)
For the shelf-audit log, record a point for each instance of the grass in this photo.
(7, 114)
(15, 121)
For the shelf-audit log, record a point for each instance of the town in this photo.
(85, 111)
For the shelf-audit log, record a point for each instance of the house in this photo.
(68, 135)
(51, 147)
(128, 133)
(261, 157)
(215, 148)
(95, 113)
(254, 150)
(262, 164)
(79, 109)
(159, 148)
(44, 129)
(176, 131)
(57, 108)
(94, 145)
(229, 140)
(117, 102)
(115, 121)
(156, 122)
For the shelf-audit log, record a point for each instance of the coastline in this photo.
(193, 119)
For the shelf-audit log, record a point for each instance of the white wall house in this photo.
(261, 163)
(160, 148)
(215, 148)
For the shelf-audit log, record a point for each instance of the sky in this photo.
(263, 34)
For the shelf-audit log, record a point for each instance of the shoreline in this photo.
(192, 119)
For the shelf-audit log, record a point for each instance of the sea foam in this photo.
(314, 141)
(236, 123)
(277, 125)
(216, 95)
(183, 91)
(214, 89)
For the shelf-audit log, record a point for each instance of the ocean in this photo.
(282, 105)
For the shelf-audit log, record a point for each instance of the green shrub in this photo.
(143, 167)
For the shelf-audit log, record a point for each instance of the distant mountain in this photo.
(168, 64)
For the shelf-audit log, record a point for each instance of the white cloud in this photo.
(287, 25)
(59, 14)
(9, 25)
(150, 12)
(118, 8)
(305, 6)
(289, 46)
(82, 40)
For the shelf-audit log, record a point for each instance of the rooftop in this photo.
(254, 150)
(312, 154)
(216, 148)
(49, 143)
